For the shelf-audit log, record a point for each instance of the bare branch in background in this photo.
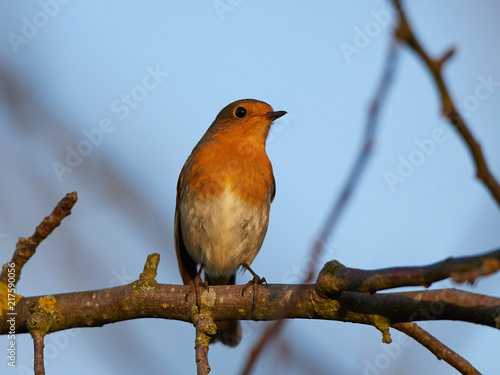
(406, 35)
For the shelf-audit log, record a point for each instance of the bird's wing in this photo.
(187, 266)
(273, 189)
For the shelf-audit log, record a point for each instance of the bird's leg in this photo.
(196, 285)
(254, 282)
(256, 279)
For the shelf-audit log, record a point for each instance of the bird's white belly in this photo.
(223, 232)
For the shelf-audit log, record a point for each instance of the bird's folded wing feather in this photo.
(187, 266)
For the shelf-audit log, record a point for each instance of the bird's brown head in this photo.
(247, 118)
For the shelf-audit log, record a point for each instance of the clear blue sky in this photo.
(144, 81)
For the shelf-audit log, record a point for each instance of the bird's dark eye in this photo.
(240, 112)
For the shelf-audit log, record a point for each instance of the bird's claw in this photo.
(257, 280)
(195, 287)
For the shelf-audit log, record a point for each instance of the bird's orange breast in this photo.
(237, 164)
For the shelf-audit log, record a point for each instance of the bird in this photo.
(224, 193)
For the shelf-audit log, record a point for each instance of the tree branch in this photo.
(464, 269)
(145, 298)
(425, 305)
(25, 248)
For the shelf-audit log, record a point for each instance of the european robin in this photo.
(224, 195)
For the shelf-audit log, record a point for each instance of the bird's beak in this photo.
(275, 115)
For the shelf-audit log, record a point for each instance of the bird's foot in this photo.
(257, 280)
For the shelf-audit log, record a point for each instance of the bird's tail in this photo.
(228, 333)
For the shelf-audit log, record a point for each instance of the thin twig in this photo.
(436, 347)
(26, 248)
(406, 35)
(273, 329)
(201, 350)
